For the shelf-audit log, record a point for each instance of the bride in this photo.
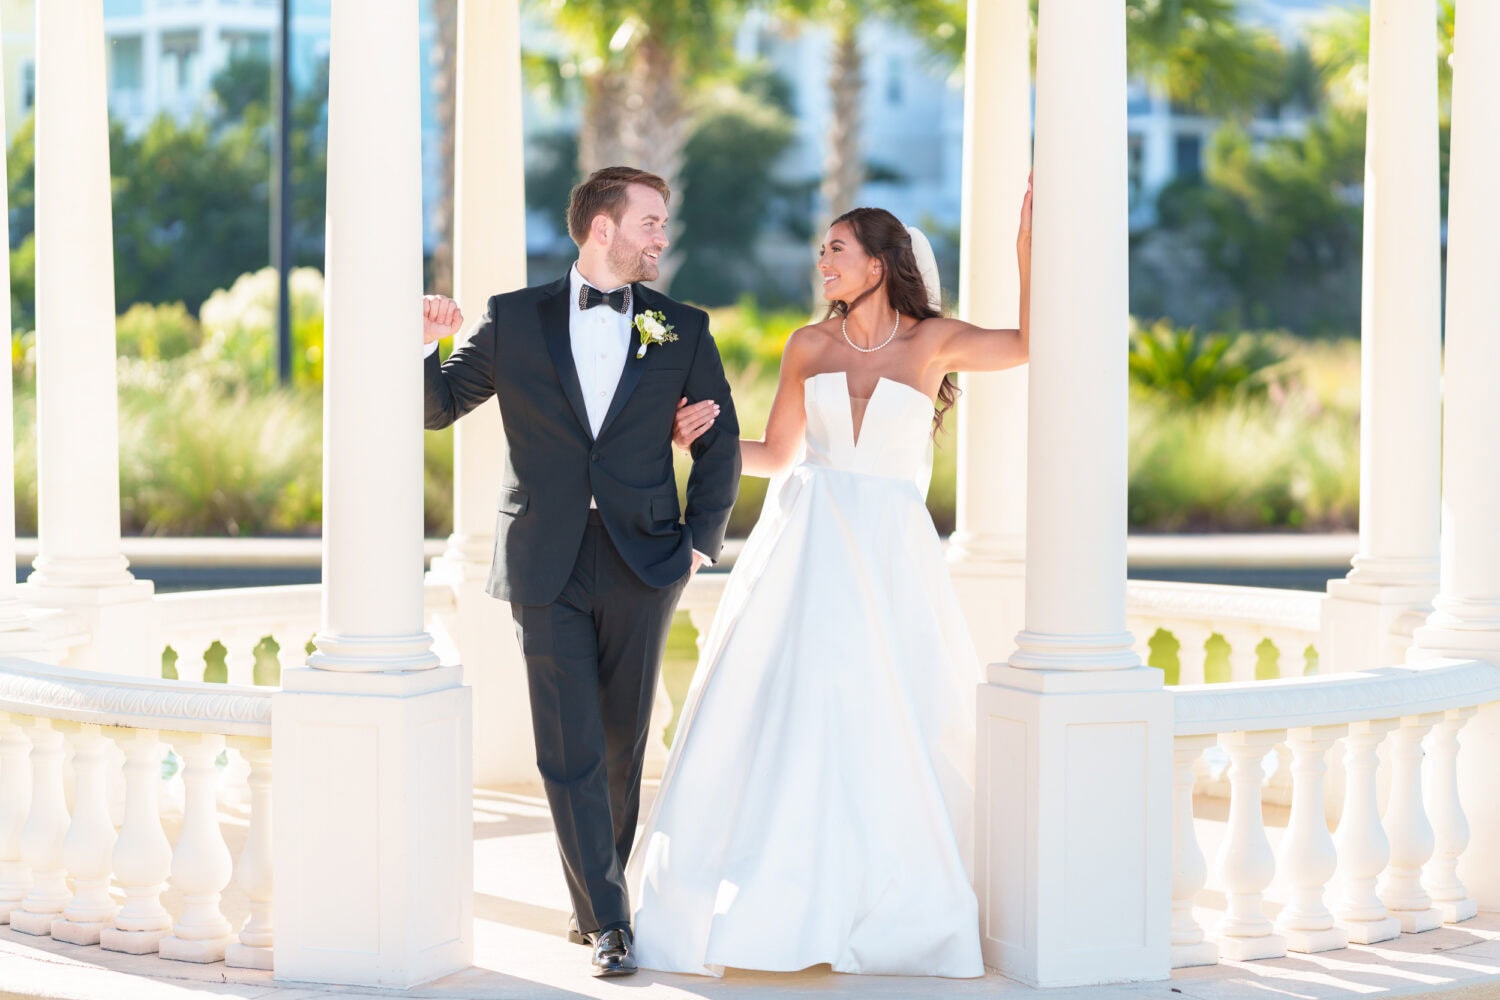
(817, 803)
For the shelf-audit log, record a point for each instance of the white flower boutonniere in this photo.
(653, 329)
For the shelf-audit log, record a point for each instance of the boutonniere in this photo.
(653, 329)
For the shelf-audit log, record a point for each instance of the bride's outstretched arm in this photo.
(969, 348)
(777, 449)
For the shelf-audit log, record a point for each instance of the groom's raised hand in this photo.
(440, 318)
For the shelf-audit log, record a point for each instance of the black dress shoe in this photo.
(576, 936)
(613, 953)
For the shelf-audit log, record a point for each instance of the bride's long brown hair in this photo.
(883, 236)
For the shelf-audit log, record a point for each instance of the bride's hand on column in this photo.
(1023, 235)
(441, 318)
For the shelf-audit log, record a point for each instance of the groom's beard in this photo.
(629, 263)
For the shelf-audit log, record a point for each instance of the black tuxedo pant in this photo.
(592, 659)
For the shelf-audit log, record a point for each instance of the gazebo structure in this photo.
(1087, 859)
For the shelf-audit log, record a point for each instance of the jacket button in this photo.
(594, 456)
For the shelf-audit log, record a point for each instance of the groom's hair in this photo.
(604, 192)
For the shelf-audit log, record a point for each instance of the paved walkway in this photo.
(520, 952)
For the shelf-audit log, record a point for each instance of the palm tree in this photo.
(1341, 49)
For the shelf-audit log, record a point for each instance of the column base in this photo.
(73, 932)
(1371, 931)
(178, 949)
(1457, 911)
(1311, 942)
(1075, 653)
(1061, 903)
(244, 956)
(1367, 625)
(1418, 921)
(1187, 956)
(373, 654)
(131, 942)
(103, 572)
(383, 896)
(1251, 949)
(35, 924)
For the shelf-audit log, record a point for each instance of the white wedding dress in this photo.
(817, 804)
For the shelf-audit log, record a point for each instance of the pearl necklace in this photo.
(844, 328)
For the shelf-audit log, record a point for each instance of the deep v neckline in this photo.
(857, 435)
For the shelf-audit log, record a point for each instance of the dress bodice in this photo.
(895, 437)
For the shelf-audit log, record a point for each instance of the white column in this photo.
(79, 564)
(1308, 858)
(1055, 837)
(1395, 573)
(987, 554)
(15, 803)
(1466, 620)
(373, 849)
(489, 256)
(143, 855)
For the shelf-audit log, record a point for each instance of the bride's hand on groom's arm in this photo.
(441, 318)
(692, 421)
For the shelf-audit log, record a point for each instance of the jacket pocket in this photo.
(514, 502)
(664, 508)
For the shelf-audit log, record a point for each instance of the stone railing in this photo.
(58, 864)
(1202, 633)
(1371, 880)
(246, 635)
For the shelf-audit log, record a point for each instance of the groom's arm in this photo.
(714, 480)
(465, 380)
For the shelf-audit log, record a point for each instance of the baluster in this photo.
(1360, 840)
(239, 657)
(290, 652)
(1246, 864)
(1191, 637)
(1450, 826)
(1189, 870)
(15, 802)
(89, 844)
(201, 865)
(42, 836)
(143, 855)
(1308, 858)
(254, 872)
(1409, 832)
(1242, 652)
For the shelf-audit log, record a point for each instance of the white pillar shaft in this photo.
(372, 409)
(997, 157)
(1399, 405)
(1076, 450)
(489, 227)
(78, 463)
(1470, 593)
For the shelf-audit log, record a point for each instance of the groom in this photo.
(591, 550)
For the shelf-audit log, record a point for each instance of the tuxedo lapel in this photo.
(552, 310)
(634, 366)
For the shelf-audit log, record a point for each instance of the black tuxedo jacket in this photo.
(522, 353)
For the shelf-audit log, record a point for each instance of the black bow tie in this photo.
(618, 300)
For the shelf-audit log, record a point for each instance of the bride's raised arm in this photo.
(965, 347)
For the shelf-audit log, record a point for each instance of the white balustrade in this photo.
(89, 843)
(1246, 864)
(1189, 869)
(201, 863)
(1307, 854)
(42, 836)
(1409, 832)
(1361, 842)
(143, 855)
(1243, 657)
(1192, 652)
(1450, 826)
(15, 804)
(253, 871)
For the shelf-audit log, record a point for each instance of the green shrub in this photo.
(157, 333)
(1191, 368)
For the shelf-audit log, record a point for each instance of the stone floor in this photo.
(520, 908)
